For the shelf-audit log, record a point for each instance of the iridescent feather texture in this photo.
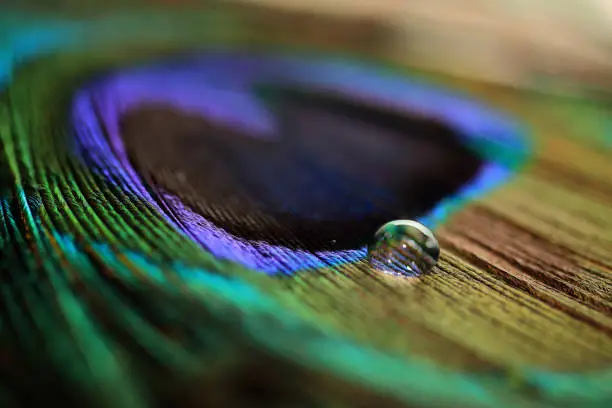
(186, 203)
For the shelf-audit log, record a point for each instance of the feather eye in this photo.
(266, 167)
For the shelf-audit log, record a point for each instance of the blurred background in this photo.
(558, 46)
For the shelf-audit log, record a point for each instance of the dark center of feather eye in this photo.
(335, 171)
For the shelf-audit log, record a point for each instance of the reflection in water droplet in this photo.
(403, 248)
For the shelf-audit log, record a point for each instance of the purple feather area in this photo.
(220, 88)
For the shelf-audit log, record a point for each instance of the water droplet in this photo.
(403, 248)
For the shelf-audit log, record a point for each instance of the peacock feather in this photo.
(186, 198)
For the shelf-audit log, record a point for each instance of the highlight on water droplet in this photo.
(404, 248)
